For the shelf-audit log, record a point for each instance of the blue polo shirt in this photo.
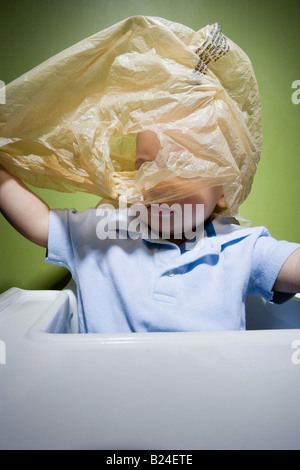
(142, 285)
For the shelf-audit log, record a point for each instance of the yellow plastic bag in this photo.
(71, 123)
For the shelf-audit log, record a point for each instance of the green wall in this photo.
(268, 30)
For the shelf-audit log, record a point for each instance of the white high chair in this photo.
(221, 390)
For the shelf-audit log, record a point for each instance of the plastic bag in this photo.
(71, 123)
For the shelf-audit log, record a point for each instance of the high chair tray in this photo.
(63, 390)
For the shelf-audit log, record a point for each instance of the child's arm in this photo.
(24, 210)
(288, 279)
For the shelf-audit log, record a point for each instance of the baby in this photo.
(137, 284)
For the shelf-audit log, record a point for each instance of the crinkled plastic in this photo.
(71, 123)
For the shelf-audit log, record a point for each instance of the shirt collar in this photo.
(227, 231)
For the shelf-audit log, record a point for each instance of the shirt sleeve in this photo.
(60, 247)
(269, 255)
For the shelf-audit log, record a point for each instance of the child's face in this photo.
(148, 146)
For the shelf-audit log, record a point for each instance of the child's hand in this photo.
(23, 209)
